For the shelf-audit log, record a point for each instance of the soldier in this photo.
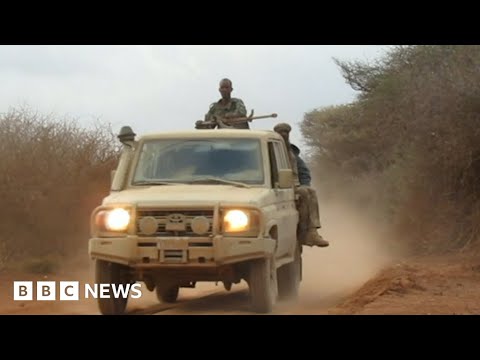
(225, 108)
(308, 203)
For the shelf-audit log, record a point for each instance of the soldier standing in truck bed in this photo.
(225, 108)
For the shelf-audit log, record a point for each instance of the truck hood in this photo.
(189, 195)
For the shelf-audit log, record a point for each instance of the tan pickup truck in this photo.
(202, 205)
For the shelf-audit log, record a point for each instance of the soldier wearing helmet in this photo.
(308, 208)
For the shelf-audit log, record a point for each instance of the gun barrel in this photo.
(243, 119)
(264, 116)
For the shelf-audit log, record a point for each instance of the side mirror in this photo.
(285, 178)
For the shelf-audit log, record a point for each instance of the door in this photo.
(285, 199)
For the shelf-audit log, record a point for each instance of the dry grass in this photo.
(413, 135)
(52, 174)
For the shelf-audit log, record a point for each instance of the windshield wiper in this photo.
(153, 182)
(219, 180)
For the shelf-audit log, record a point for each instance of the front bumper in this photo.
(179, 251)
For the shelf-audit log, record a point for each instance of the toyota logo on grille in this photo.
(176, 218)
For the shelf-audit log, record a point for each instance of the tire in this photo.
(110, 273)
(169, 295)
(262, 283)
(289, 277)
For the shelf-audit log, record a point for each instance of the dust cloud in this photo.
(358, 251)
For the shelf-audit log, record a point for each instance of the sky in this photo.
(168, 87)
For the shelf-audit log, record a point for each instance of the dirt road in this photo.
(448, 284)
(206, 298)
(357, 274)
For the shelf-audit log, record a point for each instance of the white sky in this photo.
(169, 87)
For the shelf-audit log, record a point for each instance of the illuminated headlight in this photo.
(113, 220)
(236, 221)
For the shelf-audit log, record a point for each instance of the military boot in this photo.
(312, 238)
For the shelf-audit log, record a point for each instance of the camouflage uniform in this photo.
(301, 173)
(307, 205)
(302, 169)
(308, 209)
(235, 107)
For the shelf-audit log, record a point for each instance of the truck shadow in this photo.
(221, 302)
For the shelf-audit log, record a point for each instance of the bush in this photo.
(413, 133)
(52, 175)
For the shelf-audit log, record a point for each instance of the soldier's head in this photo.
(284, 130)
(225, 88)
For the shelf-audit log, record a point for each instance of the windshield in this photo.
(190, 161)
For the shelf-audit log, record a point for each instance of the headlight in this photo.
(117, 220)
(236, 221)
(113, 220)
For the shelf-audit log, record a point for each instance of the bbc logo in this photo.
(70, 290)
(46, 290)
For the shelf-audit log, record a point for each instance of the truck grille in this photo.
(163, 217)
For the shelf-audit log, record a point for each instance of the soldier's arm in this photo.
(209, 122)
(209, 115)
(303, 172)
(239, 110)
(200, 124)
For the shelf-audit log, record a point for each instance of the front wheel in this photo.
(167, 295)
(262, 282)
(289, 277)
(112, 274)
